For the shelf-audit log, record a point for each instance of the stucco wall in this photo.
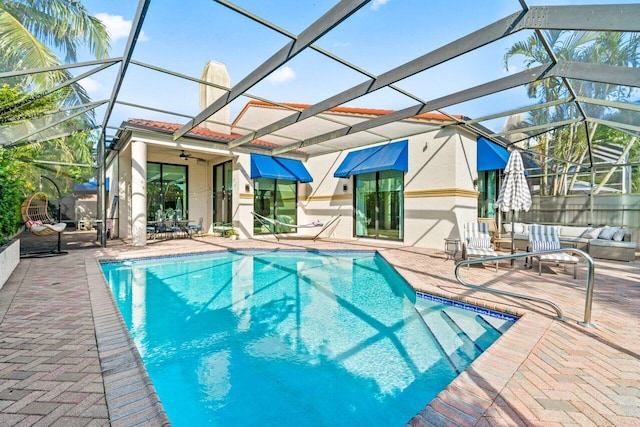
(124, 193)
(439, 195)
(439, 192)
(9, 259)
(243, 199)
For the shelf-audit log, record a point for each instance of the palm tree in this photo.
(569, 142)
(30, 29)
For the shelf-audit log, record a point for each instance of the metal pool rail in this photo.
(590, 280)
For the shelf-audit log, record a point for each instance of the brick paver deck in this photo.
(66, 358)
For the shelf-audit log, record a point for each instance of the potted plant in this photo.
(231, 233)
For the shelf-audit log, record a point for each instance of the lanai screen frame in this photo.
(619, 18)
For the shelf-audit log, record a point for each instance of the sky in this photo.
(183, 36)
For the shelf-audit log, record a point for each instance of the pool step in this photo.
(461, 336)
(478, 328)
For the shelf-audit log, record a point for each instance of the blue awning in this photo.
(491, 156)
(90, 186)
(278, 168)
(394, 156)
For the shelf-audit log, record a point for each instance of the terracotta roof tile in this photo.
(197, 132)
(347, 110)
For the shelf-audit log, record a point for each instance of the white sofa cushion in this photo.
(518, 228)
(572, 231)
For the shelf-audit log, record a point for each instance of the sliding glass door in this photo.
(379, 205)
(276, 199)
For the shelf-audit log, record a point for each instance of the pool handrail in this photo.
(590, 280)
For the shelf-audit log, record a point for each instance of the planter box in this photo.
(9, 259)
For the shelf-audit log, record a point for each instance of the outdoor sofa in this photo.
(605, 242)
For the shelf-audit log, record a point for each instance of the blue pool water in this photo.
(292, 338)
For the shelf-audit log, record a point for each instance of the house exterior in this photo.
(414, 189)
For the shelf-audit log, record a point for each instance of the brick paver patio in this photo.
(66, 358)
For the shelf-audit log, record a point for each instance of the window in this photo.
(166, 190)
(276, 199)
(379, 205)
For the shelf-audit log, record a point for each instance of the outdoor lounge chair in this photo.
(546, 237)
(477, 241)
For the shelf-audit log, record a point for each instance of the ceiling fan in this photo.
(188, 156)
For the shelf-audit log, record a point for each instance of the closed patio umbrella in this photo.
(514, 193)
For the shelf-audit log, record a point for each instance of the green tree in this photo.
(31, 32)
(570, 142)
(30, 29)
(19, 174)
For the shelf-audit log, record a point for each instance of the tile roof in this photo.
(344, 110)
(197, 132)
(204, 133)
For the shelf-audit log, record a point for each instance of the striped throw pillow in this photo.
(541, 245)
(476, 242)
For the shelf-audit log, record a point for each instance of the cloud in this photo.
(281, 75)
(90, 85)
(377, 3)
(118, 27)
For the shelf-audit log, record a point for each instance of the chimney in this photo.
(215, 72)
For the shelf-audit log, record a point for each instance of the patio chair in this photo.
(36, 216)
(196, 228)
(493, 228)
(546, 237)
(477, 241)
(35, 213)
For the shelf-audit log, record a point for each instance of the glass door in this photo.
(390, 204)
(379, 205)
(365, 204)
(223, 192)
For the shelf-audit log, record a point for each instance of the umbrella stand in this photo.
(513, 242)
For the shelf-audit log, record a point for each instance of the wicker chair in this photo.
(36, 216)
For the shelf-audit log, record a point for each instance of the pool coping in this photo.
(132, 399)
(130, 395)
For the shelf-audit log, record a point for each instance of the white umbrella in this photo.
(514, 193)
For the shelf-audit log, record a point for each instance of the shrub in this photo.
(11, 196)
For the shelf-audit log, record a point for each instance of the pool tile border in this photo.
(471, 307)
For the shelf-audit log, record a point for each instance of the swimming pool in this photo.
(293, 337)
